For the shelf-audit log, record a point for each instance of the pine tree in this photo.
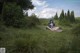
(56, 17)
(67, 18)
(68, 15)
(61, 15)
(65, 15)
(72, 16)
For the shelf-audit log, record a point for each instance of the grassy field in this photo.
(36, 40)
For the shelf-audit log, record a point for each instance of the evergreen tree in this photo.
(61, 15)
(56, 17)
(72, 16)
(67, 18)
(65, 15)
(68, 15)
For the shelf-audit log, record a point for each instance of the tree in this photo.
(12, 15)
(72, 16)
(67, 18)
(68, 15)
(32, 20)
(61, 15)
(65, 15)
(0, 7)
(64, 18)
(12, 11)
(56, 17)
(24, 4)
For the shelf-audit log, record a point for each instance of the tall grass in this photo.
(34, 40)
(38, 40)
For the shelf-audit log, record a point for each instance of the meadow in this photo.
(21, 33)
(39, 40)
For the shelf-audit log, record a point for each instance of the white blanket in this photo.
(57, 29)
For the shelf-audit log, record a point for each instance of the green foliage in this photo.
(64, 23)
(38, 40)
(35, 19)
(0, 7)
(2, 27)
(22, 45)
(76, 30)
(44, 22)
(72, 17)
(24, 4)
(77, 20)
(32, 21)
(61, 15)
(75, 45)
(35, 40)
(56, 17)
(12, 15)
(0, 17)
(11, 12)
(63, 19)
(68, 15)
(67, 18)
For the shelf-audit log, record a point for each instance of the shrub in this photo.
(32, 21)
(76, 30)
(64, 23)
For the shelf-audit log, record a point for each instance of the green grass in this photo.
(44, 40)
(37, 40)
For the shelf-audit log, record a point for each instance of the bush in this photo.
(76, 30)
(32, 21)
(64, 23)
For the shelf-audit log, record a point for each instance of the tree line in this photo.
(65, 18)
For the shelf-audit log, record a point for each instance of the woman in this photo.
(51, 24)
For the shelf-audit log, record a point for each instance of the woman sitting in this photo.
(51, 24)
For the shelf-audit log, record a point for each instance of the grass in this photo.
(46, 40)
(36, 40)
